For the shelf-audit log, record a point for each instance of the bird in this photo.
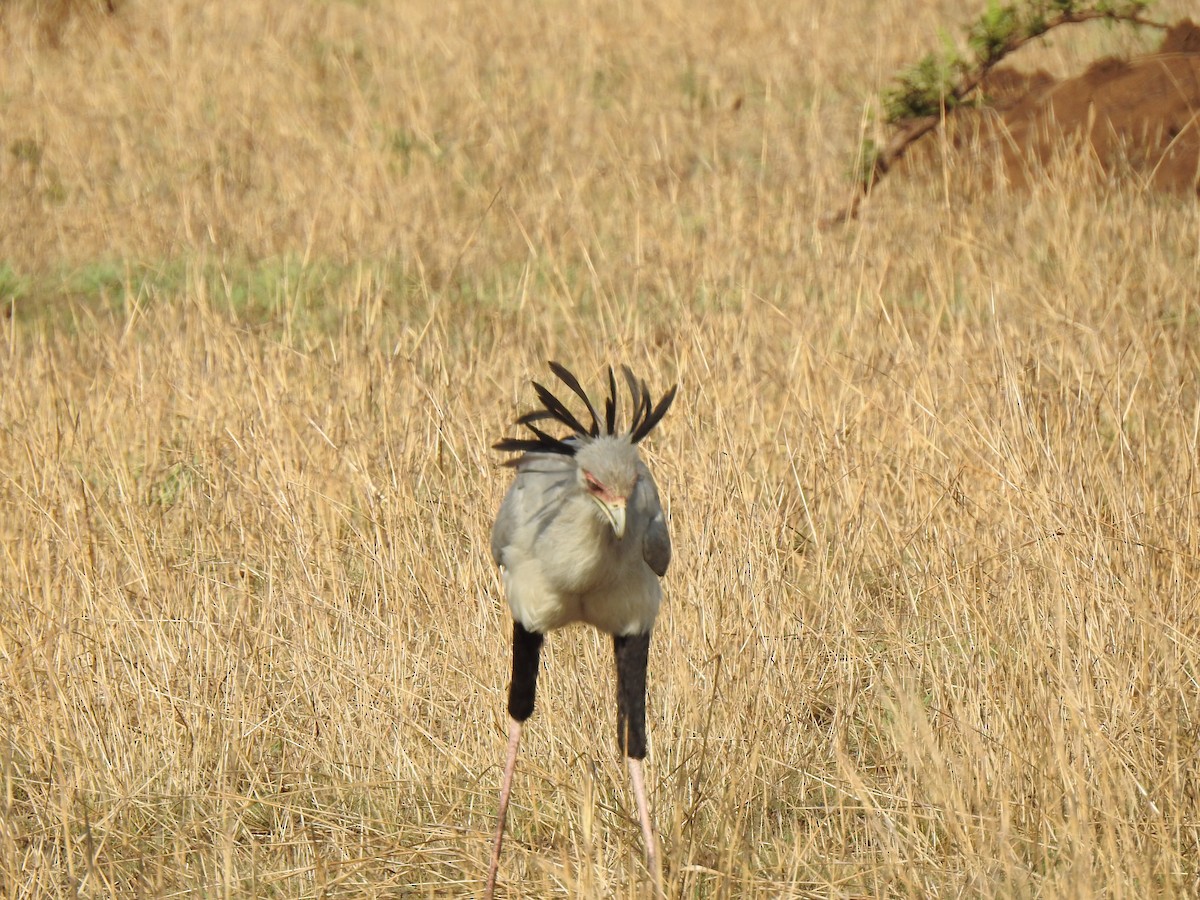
(581, 536)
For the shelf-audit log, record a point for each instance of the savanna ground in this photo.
(277, 274)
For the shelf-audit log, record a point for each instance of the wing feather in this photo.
(656, 545)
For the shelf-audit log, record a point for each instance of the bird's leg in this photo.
(510, 766)
(527, 647)
(632, 654)
(639, 792)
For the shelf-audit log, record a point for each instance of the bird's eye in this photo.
(593, 485)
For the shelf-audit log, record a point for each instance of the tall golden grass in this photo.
(277, 274)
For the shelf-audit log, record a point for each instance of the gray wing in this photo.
(505, 524)
(656, 547)
(535, 492)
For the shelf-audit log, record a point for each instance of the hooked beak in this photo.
(614, 511)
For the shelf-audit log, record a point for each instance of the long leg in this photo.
(527, 647)
(632, 654)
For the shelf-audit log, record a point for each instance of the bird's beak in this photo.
(615, 512)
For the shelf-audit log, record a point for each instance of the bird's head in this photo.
(607, 458)
(608, 473)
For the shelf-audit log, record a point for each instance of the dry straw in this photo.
(275, 275)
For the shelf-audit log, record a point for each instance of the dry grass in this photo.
(278, 273)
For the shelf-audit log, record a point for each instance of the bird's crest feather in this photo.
(644, 417)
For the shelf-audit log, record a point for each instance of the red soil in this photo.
(1135, 118)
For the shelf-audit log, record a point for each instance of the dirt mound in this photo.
(1138, 117)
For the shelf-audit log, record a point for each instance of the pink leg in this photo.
(510, 766)
(639, 793)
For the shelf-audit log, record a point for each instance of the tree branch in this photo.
(912, 130)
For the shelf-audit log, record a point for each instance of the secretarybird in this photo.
(581, 537)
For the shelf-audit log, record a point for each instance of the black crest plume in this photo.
(646, 414)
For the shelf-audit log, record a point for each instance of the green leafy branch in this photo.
(925, 93)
